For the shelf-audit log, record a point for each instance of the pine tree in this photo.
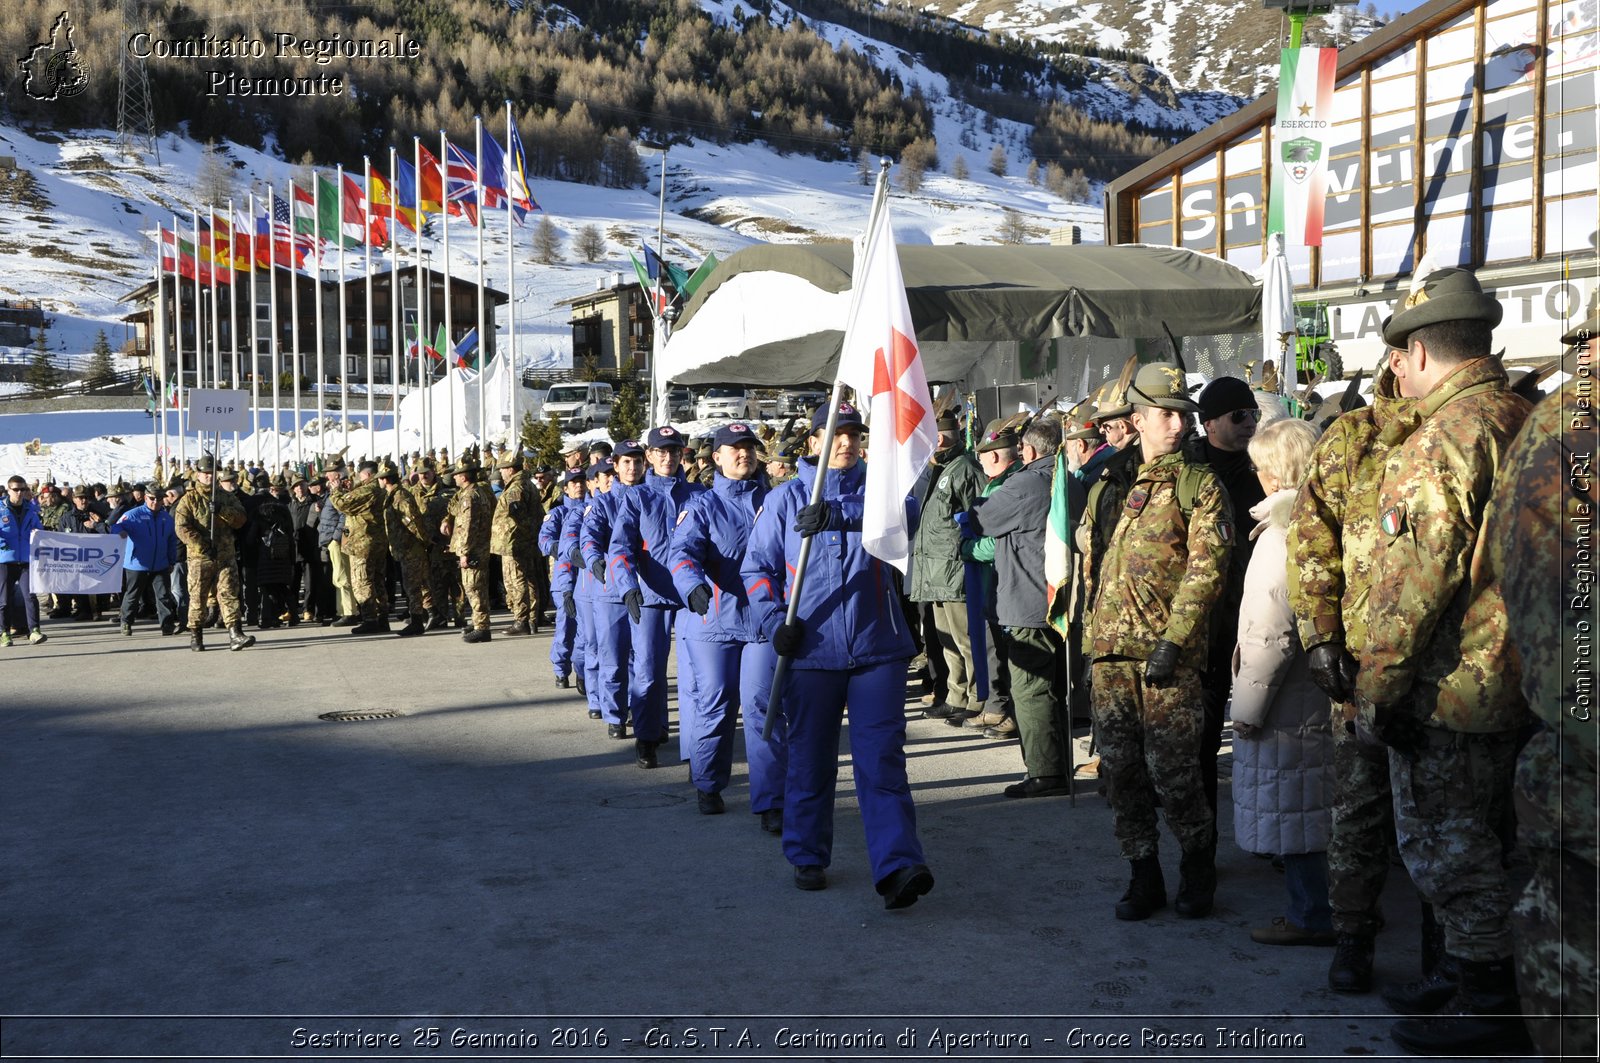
(590, 243)
(543, 438)
(42, 373)
(1012, 228)
(628, 415)
(998, 161)
(958, 169)
(101, 373)
(1033, 172)
(546, 242)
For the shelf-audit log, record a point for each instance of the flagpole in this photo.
(424, 294)
(255, 331)
(449, 326)
(199, 323)
(344, 313)
(396, 349)
(233, 316)
(294, 319)
(514, 382)
(483, 343)
(177, 335)
(216, 318)
(158, 346)
(274, 348)
(366, 225)
(824, 452)
(322, 330)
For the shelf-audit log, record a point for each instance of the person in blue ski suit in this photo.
(611, 631)
(849, 644)
(566, 656)
(585, 587)
(719, 644)
(641, 534)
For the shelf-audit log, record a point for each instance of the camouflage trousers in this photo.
(1554, 922)
(1451, 814)
(1149, 740)
(446, 574)
(517, 572)
(369, 578)
(206, 577)
(1363, 829)
(415, 578)
(475, 589)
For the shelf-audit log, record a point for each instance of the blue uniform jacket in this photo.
(557, 536)
(594, 539)
(849, 604)
(641, 536)
(708, 547)
(151, 541)
(15, 531)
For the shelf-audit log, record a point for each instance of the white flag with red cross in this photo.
(881, 362)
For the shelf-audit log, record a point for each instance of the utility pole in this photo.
(136, 123)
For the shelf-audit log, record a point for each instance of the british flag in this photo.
(461, 183)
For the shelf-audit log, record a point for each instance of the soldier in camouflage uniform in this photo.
(468, 529)
(366, 543)
(210, 545)
(513, 538)
(406, 526)
(443, 579)
(1333, 544)
(1437, 684)
(1544, 499)
(1149, 598)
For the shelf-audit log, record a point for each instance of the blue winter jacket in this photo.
(707, 548)
(641, 536)
(150, 540)
(594, 539)
(557, 535)
(15, 531)
(849, 602)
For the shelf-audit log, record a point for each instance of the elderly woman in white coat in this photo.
(1283, 745)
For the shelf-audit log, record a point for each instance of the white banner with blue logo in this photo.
(75, 564)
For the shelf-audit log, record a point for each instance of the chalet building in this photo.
(613, 324)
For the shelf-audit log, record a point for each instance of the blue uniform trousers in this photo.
(769, 759)
(613, 636)
(590, 648)
(710, 716)
(688, 693)
(647, 672)
(814, 705)
(566, 648)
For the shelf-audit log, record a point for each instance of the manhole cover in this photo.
(359, 715)
(643, 799)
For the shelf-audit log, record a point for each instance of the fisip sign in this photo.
(216, 410)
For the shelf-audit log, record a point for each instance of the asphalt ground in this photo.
(193, 865)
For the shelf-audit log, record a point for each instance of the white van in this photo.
(579, 407)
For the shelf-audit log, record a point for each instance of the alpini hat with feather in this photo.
(1161, 386)
(1443, 295)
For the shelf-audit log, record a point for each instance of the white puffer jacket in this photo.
(1282, 775)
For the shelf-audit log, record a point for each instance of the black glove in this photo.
(568, 604)
(634, 600)
(786, 640)
(1163, 661)
(814, 518)
(599, 570)
(1333, 669)
(700, 600)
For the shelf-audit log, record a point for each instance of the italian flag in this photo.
(1058, 550)
(1300, 138)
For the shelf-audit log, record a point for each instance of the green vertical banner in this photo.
(1300, 138)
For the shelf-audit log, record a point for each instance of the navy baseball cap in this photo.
(732, 435)
(665, 436)
(573, 476)
(848, 415)
(628, 448)
(597, 468)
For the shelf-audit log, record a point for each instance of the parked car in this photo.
(579, 407)
(801, 402)
(732, 402)
(680, 404)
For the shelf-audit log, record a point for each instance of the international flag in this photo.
(336, 220)
(647, 281)
(517, 173)
(430, 184)
(1300, 139)
(387, 203)
(461, 183)
(305, 218)
(420, 346)
(1058, 549)
(288, 249)
(461, 355)
(499, 184)
(698, 277)
(178, 256)
(208, 255)
(881, 361)
(655, 264)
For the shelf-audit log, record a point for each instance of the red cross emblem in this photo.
(908, 412)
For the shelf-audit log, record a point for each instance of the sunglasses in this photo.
(1241, 416)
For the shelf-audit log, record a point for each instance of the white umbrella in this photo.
(1277, 312)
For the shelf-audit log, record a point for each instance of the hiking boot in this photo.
(517, 628)
(902, 888)
(1197, 883)
(1483, 1018)
(477, 634)
(197, 639)
(1146, 893)
(238, 640)
(710, 804)
(1428, 995)
(979, 721)
(437, 620)
(772, 821)
(1004, 731)
(1351, 969)
(368, 627)
(415, 626)
(127, 629)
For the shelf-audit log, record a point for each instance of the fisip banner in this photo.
(218, 410)
(75, 564)
(1300, 143)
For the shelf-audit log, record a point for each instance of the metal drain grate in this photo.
(359, 715)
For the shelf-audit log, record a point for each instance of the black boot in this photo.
(437, 620)
(1147, 892)
(197, 640)
(577, 681)
(369, 627)
(1197, 883)
(238, 640)
(1483, 1018)
(1351, 969)
(1428, 995)
(415, 626)
(518, 627)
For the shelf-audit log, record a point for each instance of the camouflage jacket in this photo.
(1436, 636)
(435, 502)
(405, 524)
(363, 506)
(191, 519)
(1160, 579)
(517, 516)
(50, 516)
(1544, 498)
(470, 515)
(1333, 530)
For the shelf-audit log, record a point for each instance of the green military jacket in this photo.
(435, 502)
(1544, 498)
(470, 517)
(517, 516)
(50, 516)
(365, 534)
(937, 571)
(1160, 576)
(1437, 642)
(191, 520)
(1333, 529)
(406, 525)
